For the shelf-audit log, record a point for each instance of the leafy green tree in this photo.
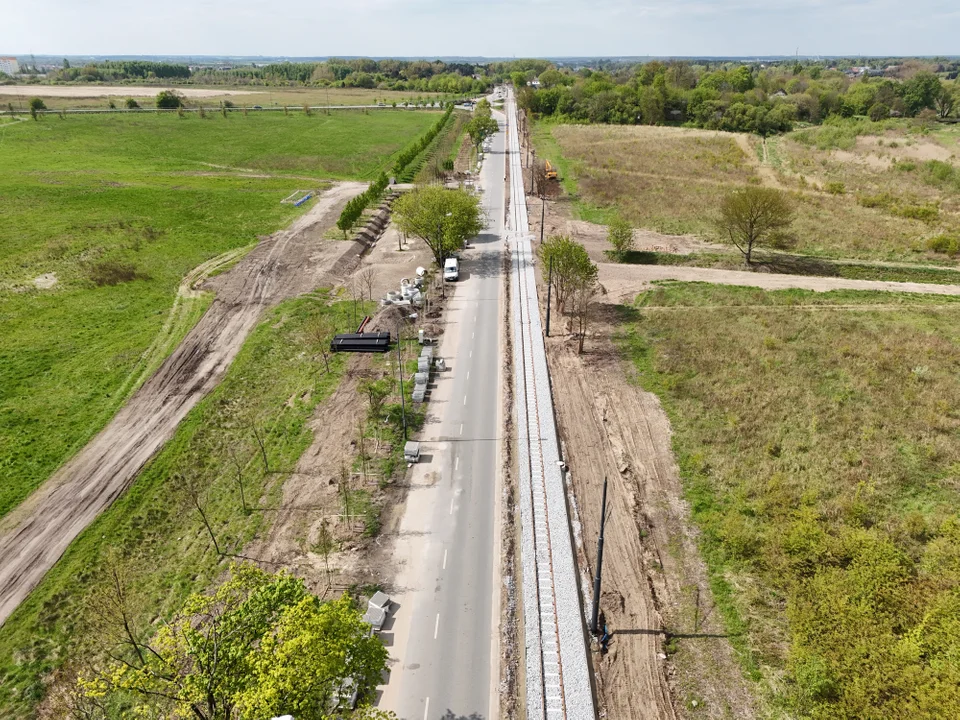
(920, 91)
(480, 128)
(169, 100)
(36, 104)
(620, 237)
(442, 218)
(132, 104)
(571, 266)
(259, 646)
(752, 216)
(944, 101)
(878, 112)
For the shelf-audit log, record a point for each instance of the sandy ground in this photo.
(85, 91)
(292, 261)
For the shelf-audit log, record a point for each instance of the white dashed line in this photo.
(456, 464)
(461, 428)
(426, 709)
(464, 399)
(444, 559)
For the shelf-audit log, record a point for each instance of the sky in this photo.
(488, 28)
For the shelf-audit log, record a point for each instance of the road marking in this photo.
(451, 506)
(436, 627)
(471, 353)
(426, 709)
(464, 399)
(461, 428)
(456, 465)
(444, 559)
(473, 335)
(468, 374)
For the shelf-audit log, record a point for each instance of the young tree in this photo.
(132, 104)
(367, 279)
(319, 333)
(259, 646)
(571, 266)
(620, 237)
(752, 216)
(36, 104)
(584, 291)
(325, 545)
(944, 101)
(442, 218)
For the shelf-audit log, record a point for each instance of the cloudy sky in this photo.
(503, 28)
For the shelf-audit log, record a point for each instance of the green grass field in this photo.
(90, 195)
(153, 532)
(817, 436)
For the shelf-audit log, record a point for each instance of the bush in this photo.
(169, 100)
(836, 188)
(878, 112)
(946, 244)
(113, 272)
(37, 104)
(620, 237)
(926, 213)
(132, 104)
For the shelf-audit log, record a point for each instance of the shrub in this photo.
(169, 100)
(37, 104)
(926, 213)
(878, 112)
(881, 200)
(946, 244)
(132, 104)
(113, 272)
(905, 166)
(836, 188)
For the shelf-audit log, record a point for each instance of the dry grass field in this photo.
(877, 200)
(57, 97)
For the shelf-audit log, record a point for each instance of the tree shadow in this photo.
(795, 265)
(450, 715)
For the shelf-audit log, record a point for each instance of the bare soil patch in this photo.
(88, 91)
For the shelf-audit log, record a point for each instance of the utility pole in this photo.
(595, 616)
(533, 166)
(403, 403)
(549, 289)
(543, 214)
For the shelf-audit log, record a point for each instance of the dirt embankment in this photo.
(293, 261)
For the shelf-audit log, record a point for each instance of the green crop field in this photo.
(817, 436)
(114, 211)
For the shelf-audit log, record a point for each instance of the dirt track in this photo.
(623, 282)
(293, 261)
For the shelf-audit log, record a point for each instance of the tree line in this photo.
(355, 207)
(745, 98)
(402, 165)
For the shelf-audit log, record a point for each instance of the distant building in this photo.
(9, 65)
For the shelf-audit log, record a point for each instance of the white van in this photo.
(451, 269)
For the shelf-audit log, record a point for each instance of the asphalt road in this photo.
(444, 633)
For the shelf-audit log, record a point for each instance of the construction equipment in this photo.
(550, 173)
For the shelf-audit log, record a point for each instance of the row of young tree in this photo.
(355, 207)
(115, 70)
(745, 98)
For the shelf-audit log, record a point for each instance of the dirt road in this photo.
(293, 261)
(623, 282)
